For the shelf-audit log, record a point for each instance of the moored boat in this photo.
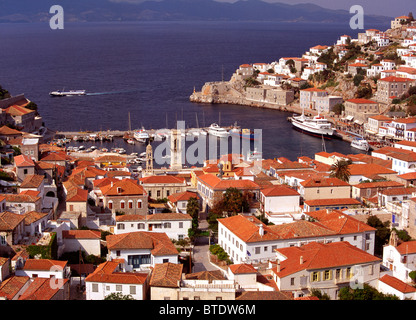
(317, 126)
(217, 131)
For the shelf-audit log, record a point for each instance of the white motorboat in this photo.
(317, 126)
(141, 136)
(61, 93)
(360, 144)
(217, 131)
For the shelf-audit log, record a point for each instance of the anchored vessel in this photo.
(360, 144)
(317, 126)
(61, 93)
(218, 131)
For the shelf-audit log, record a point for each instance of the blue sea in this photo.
(149, 69)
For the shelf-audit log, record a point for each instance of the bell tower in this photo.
(149, 160)
(175, 149)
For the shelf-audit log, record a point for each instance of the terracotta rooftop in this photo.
(321, 256)
(166, 275)
(158, 242)
(106, 273)
(397, 284)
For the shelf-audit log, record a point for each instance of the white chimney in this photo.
(278, 266)
(261, 230)
(301, 260)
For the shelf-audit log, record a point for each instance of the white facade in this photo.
(400, 264)
(149, 259)
(276, 204)
(99, 290)
(174, 229)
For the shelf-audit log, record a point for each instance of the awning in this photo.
(349, 118)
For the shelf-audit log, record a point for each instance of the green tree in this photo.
(367, 292)
(341, 170)
(318, 293)
(338, 108)
(234, 201)
(118, 296)
(357, 79)
(382, 233)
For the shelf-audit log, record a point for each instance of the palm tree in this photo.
(341, 170)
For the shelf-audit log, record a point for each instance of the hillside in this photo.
(174, 10)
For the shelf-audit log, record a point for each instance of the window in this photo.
(95, 287)
(158, 193)
(218, 298)
(139, 204)
(120, 226)
(348, 273)
(118, 253)
(292, 281)
(197, 298)
(110, 205)
(136, 260)
(327, 275)
(140, 226)
(180, 224)
(130, 204)
(122, 204)
(338, 274)
(3, 240)
(132, 289)
(257, 250)
(119, 287)
(167, 225)
(265, 249)
(165, 260)
(315, 276)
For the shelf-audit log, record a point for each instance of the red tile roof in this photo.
(408, 247)
(23, 161)
(41, 289)
(166, 275)
(278, 191)
(105, 273)
(10, 287)
(332, 202)
(361, 101)
(325, 182)
(125, 187)
(81, 234)
(182, 196)
(397, 284)
(242, 268)
(43, 264)
(321, 256)
(158, 242)
(168, 179)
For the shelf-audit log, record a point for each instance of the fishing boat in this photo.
(130, 141)
(360, 144)
(317, 126)
(62, 93)
(217, 131)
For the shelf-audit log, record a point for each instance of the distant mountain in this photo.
(175, 10)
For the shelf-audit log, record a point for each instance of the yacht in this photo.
(360, 144)
(218, 131)
(141, 136)
(61, 93)
(316, 126)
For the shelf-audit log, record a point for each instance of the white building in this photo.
(141, 250)
(175, 225)
(326, 267)
(400, 258)
(246, 239)
(108, 278)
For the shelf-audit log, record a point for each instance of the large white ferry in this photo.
(61, 93)
(317, 126)
(218, 131)
(360, 144)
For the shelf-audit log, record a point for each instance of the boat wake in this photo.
(108, 92)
